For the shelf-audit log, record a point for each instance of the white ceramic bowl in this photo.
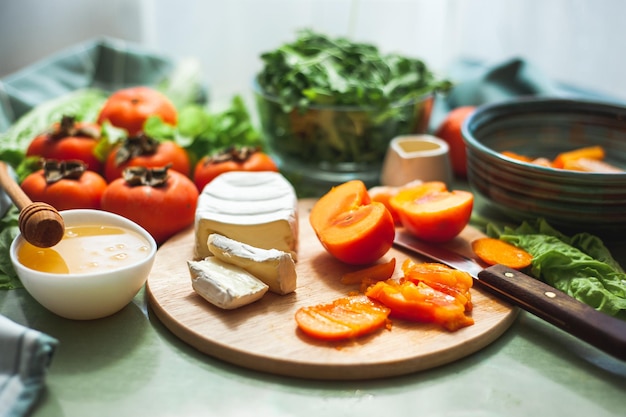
(92, 295)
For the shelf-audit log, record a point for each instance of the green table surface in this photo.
(129, 364)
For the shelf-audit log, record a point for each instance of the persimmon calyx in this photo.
(135, 146)
(141, 175)
(232, 153)
(68, 127)
(55, 170)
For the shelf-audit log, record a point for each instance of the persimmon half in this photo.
(431, 213)
(352, 227)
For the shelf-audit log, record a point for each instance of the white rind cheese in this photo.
(272, 266)
(225, 285)
(257, 208)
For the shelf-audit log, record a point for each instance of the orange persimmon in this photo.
(350, 226)
(345, 318)
(589, 152)
(517, 156)
(384, 193)
(370, 275)
(450, 131)
(420, 302)
(442, 278)
(432, 213)
(494, 251)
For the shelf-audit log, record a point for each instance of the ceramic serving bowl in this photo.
(572, 200)
(324, 146)
(100, 288)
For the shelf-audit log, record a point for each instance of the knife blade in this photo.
(548, 303)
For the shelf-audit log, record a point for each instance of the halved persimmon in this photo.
(350, 226)
(433, 213)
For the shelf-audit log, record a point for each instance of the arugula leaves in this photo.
(331, 102)
(318, 70)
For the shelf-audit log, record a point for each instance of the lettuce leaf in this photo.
(580, 266)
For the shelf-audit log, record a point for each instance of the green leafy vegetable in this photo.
(201, 132)
(319, 70)
(8, 230)
(580, 266)
(334, 101)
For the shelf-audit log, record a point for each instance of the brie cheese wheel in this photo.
(257, 208)
(225, 285)
(272, 266)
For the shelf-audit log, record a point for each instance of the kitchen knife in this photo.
(578, 319)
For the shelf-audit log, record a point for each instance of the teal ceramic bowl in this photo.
(572, 200)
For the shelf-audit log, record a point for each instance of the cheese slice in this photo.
(225, 285)
(257, 208)
(272, 266)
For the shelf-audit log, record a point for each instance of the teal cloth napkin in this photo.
(25, 355)
(476, 84)
(106, 64)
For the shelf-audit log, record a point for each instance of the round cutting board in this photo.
(263, 336)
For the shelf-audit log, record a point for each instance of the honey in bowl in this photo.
(86, 249)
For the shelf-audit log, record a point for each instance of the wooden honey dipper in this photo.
(40, 224)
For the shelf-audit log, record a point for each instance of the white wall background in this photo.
(574, 41)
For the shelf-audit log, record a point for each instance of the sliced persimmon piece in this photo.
(494, 251)
(344, 318)
(378, 272)
(432, 214)
(384, 193)
(590, 152)
(442, 278)
(350, 226)
(420, 302)
(517, 156)
(590, 165)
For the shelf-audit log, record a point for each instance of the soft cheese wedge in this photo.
(257, 208)
(225, 285)
(272, 266)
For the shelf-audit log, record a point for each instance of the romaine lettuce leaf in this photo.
(580, 266)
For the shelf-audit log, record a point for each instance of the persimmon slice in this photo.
(378, 272)
(345, 318)
(420, 302)
(433, 214)
(350, 226)
(589, 152)
(442, 278)
(494, 251)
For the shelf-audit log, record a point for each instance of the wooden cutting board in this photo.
(263, 336)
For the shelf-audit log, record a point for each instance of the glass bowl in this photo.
(324, 146)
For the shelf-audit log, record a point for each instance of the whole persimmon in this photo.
(161, 201)
(450, 131)
(232, 159)
(142, 150)
(68, 140)
(352, 227)
(65, 185)
(129, 108)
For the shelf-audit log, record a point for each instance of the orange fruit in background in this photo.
(129, 108)
(450, 131)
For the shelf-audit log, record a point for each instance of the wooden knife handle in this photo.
(594, 327)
